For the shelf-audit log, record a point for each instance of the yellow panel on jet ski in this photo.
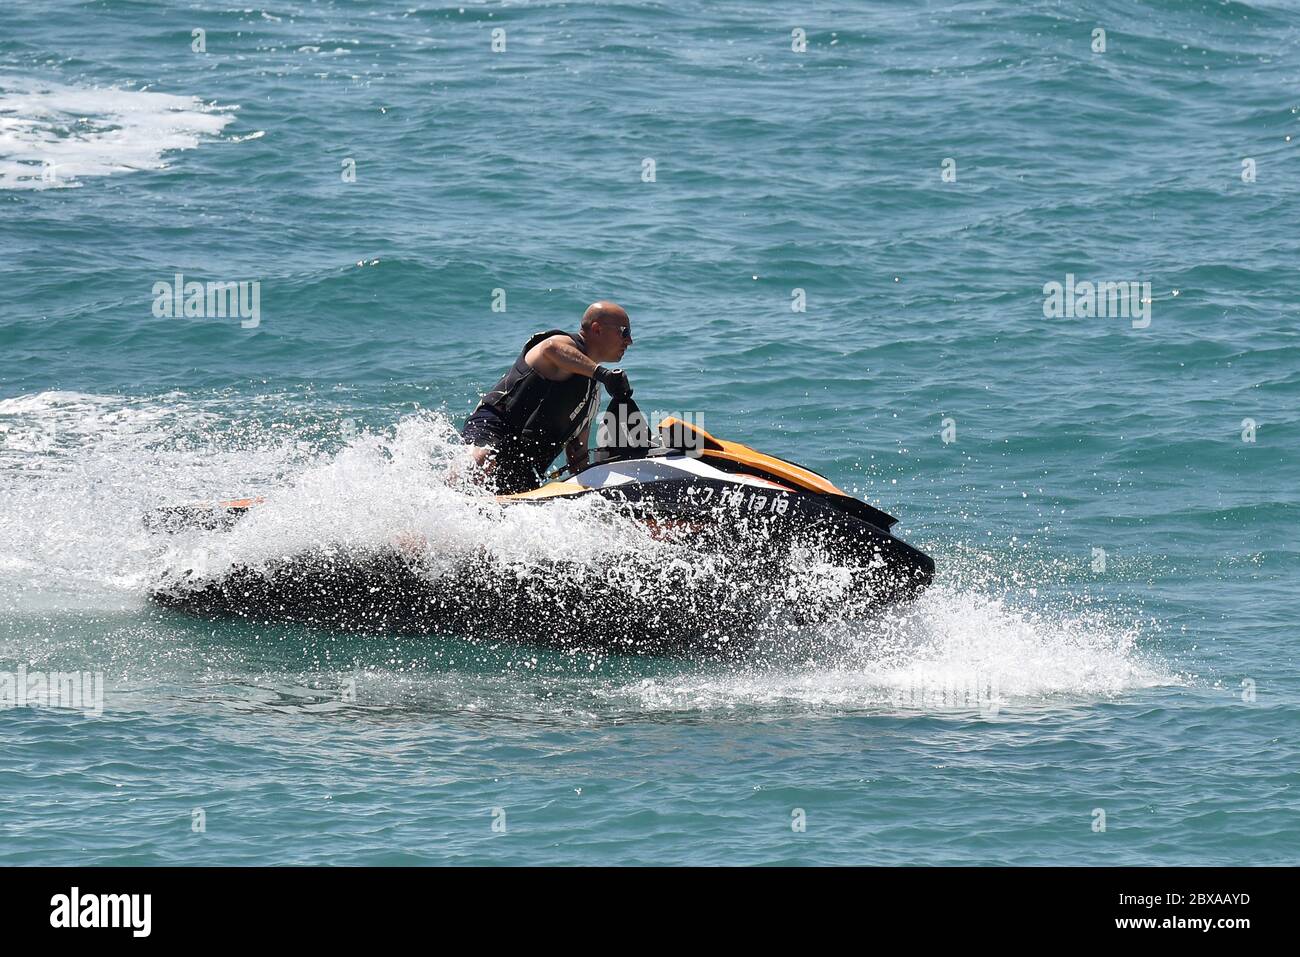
(744, 455)
(546, 491)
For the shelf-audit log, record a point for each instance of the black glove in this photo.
(614, 381)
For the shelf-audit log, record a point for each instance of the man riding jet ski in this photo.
(546, 400)
(761, 516)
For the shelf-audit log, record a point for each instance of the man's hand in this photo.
(614, 381)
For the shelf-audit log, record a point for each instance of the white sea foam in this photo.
(953, 650)
(53, 135)
(78, 473)
(392, 487)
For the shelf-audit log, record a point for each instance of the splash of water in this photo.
(952, 650)
(81, 470)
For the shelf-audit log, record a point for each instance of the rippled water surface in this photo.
(1104, 670)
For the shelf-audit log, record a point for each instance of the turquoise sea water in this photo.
(1115, 561)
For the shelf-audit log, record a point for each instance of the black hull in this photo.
(638, 607)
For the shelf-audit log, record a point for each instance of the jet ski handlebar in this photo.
(621, 433)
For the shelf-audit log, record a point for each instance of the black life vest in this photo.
(545, 413)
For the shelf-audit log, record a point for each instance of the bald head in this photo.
(604, 312)
(607, 331)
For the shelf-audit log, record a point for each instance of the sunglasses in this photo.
(626, 333)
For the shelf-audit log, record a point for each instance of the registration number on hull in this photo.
(740, 499)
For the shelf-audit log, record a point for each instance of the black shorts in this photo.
(517, 464)
(485, 428)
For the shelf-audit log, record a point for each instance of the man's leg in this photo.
(485, 432)
(485, 463)
(505, 461)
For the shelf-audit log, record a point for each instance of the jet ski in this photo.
(747, 510)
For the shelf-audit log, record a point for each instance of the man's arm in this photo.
(558, 358)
